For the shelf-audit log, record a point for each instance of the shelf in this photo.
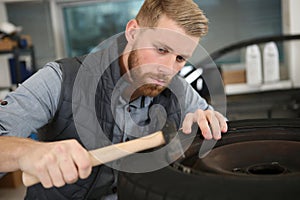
(16, 53)
(243, 88)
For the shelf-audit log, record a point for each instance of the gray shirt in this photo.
(34, 104)
(35, 101)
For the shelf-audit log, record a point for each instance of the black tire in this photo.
(273, 175)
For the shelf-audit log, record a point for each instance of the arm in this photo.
(54, 164)
(11, 149)
(30, 107)
(33, 103)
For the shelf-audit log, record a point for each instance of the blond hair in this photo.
(185, 13)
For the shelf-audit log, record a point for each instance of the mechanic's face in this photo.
(158, 54)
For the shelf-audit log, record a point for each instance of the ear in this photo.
(131, 30)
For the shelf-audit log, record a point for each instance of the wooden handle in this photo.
(113, 152)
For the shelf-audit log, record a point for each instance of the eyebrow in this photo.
(170, 49)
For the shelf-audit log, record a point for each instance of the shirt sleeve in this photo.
(194, 101)
(33, 103)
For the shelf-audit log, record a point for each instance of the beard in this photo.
(139, 79)
(151, 90)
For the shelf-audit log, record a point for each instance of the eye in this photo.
(162, 50)
(180, 59)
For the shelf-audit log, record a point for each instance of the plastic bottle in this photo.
(271, 63)
(253, 65)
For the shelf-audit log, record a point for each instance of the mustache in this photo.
(162, 77)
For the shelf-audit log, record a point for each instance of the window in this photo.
(89, 24)
(232, 21)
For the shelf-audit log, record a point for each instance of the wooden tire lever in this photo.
(116, 151)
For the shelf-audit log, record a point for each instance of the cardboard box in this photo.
(6, 44)
(233, 73)
(232, 77)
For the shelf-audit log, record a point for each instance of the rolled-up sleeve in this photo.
(194, 101)
(32, 104)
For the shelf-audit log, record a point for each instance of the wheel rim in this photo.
(264, 157)
(265, 151)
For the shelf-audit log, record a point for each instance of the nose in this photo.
(170, 64)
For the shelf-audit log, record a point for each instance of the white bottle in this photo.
(253, 65)
(271, 63)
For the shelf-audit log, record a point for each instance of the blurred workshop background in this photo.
(241, 33)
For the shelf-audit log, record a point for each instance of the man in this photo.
(133, 77)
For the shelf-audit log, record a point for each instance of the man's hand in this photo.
(56, 163)
(211, 123)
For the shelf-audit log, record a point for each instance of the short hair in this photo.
(185, 13)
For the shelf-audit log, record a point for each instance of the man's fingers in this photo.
(82, 160)
(51, 163)
(211, 123)
(68, 169)
(222, 122)
(44, 177)
(201, 119)
(56, 163)
(214, 125)
(56, 176)
(187, 123)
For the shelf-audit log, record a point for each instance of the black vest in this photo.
(62, 127)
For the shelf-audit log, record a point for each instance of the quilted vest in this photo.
(62, 127)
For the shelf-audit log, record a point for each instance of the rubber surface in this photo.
(187, 180)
